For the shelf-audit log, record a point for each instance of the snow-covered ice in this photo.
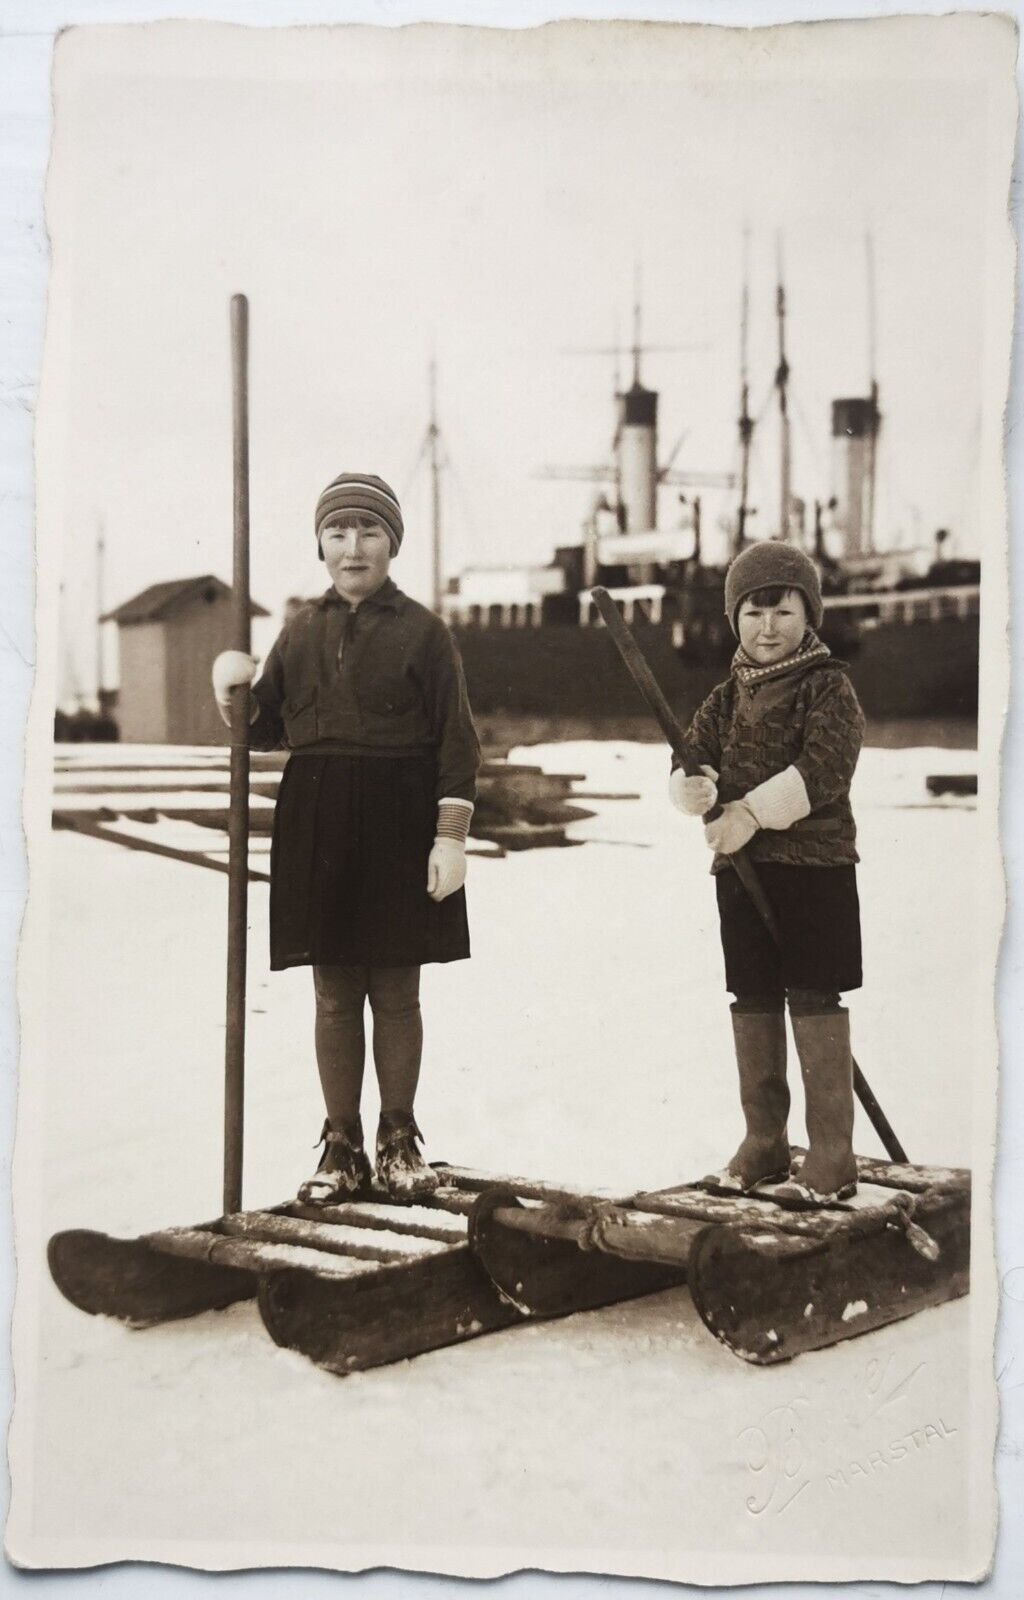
(588, 1041)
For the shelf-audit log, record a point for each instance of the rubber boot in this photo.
(829, 1171)
(763, 1156)
(344, 1170)
(400, 1168)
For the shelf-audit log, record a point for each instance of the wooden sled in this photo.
(350, 1286)
(767, 1281)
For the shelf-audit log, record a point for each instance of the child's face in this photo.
(770, 633)
(357, 554)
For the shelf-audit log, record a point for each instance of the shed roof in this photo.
(160, 599)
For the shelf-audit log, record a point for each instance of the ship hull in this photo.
(570, 678)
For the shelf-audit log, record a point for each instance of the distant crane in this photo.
(432, 448)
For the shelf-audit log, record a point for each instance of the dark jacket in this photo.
(385, 675)
(810, 719)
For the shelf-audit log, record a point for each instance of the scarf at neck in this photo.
(749, 671)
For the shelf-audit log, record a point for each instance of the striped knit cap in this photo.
(361, 491)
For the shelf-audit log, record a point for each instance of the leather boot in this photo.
(401, 1170)
(344, 1170)
(829, 1171)
(763, 1156)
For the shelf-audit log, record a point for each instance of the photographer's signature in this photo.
(792, 1446)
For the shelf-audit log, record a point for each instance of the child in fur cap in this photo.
(365, 688)
(777, 745)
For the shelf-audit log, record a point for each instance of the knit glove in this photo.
(446, 864)
(734, 828)
(230, 669)
(693, 796)
(446, 868)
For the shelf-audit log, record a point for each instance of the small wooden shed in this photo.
(167, 638)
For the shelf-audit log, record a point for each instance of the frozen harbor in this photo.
(587, 1041)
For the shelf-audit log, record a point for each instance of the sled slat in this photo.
(416, 1221)
(729, 1210)
(466, 1179)
(251, 1255)
(915, 1180)
(334, 1238)
(456, 1202)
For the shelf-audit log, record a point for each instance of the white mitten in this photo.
(780, 801)
(693, 796)
(230, 669)
(734, 828)
(446, 868)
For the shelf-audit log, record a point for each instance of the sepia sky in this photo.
(380, 196)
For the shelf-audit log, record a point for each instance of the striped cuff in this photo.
(780, 801)
(453, 819)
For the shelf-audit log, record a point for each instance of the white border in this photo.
(27, 29)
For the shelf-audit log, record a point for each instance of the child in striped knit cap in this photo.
(777, 744)
(365, 688)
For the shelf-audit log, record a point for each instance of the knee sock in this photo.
(340, 1039)
(812, 1002)
(758, 1004)
(397, 1034)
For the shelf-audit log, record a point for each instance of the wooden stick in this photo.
(644, 678)
(238, 805)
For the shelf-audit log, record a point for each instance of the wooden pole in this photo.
(636, 663)
(238, 803)
(433, 434)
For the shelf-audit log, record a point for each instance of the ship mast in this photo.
(637, 339)
(433, 446)
(873, 418)
(781, 382)
(746, 423)
(100, 552)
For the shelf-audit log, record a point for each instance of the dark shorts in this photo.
(819, 917)
(348, 865)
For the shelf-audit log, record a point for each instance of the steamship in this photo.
(905, 622)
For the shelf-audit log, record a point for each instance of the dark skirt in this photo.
(819, 917)
(348, 865)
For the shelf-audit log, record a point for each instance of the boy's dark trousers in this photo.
(818, 913)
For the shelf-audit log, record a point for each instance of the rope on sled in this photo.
(902, 1209)
(601, 1220)
(595, 1225)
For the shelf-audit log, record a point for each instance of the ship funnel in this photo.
(854, 435)
(638, 457)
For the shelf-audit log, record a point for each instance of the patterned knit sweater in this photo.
(801, 713)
